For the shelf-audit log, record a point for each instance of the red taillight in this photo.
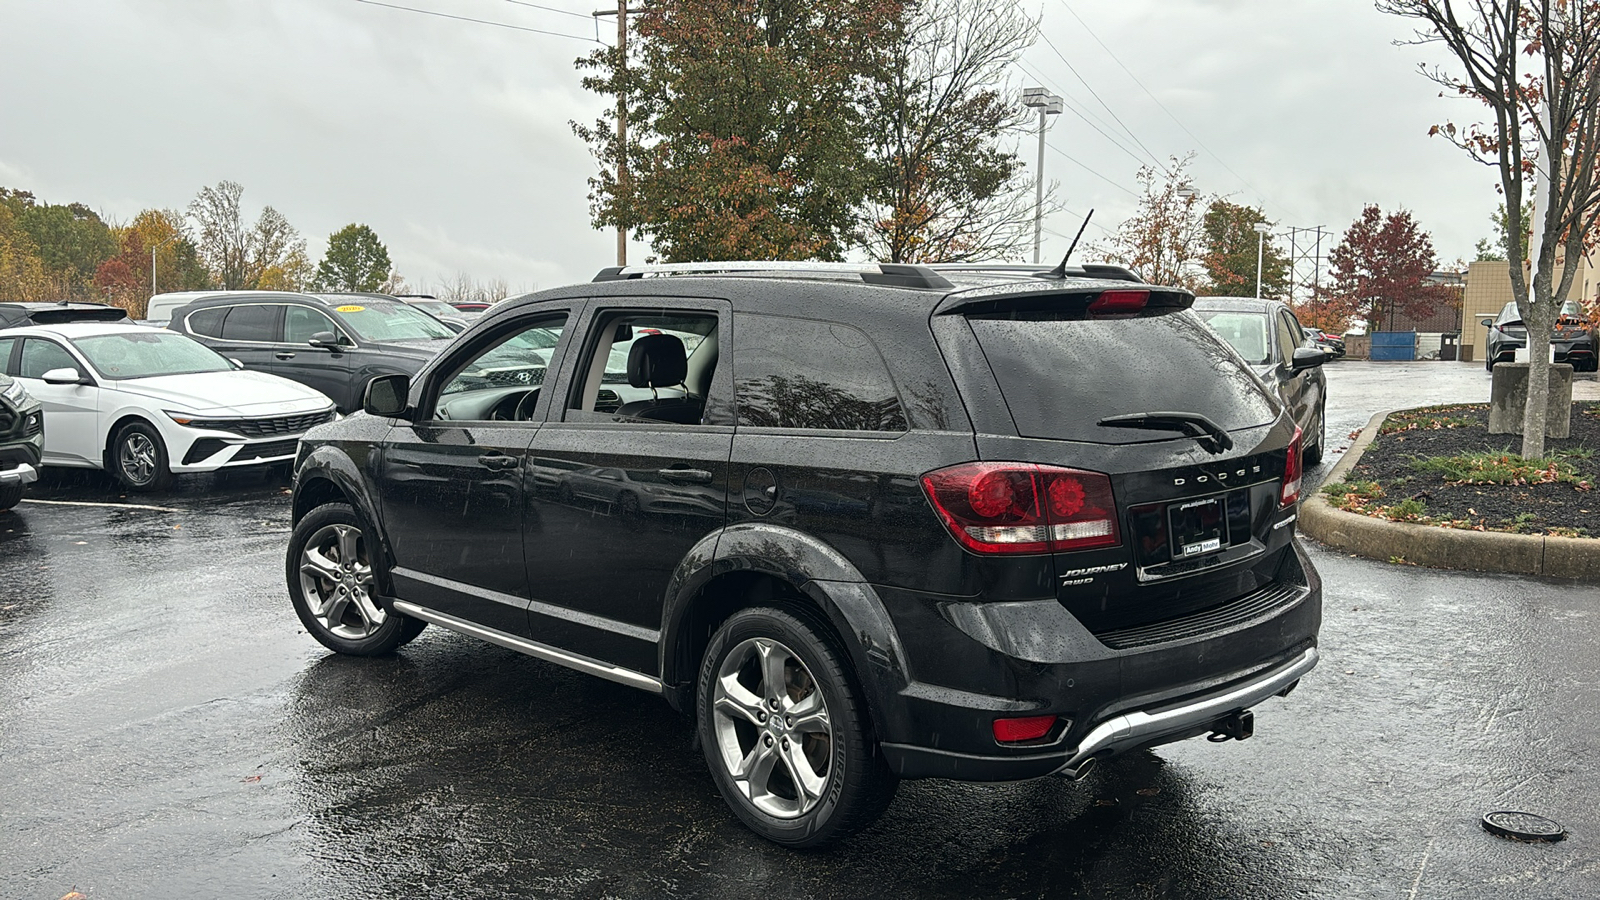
(1292, 470)
(1030, 728)
(1023, 508)
(1119, 302)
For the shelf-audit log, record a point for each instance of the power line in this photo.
(429, 12)
(1115, 142)
(1163, 106)
(1091, 171)
(1101, 100)
(564, 12)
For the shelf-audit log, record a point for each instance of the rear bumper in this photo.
(1131, 730)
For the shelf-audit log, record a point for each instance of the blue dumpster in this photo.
(1394, 345)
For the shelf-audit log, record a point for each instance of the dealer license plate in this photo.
(1198, 527)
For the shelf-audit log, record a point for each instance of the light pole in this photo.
(153, 250)
(1261, 229)
(1047, 104)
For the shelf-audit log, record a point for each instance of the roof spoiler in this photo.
(1086, 270)
(1070, 299)
(79, 314)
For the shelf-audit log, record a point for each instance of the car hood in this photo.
(423, 350)
(235, 392)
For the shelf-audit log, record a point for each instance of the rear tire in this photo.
(138, 458)
(785, 730)
(333, 587)
(1313, 452)
(11, 495)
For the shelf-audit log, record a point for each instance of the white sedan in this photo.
(144, 403)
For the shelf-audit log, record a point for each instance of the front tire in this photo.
(139, 458)
(11, 495)
(1313, 453)
(333, 588)
(785, 730)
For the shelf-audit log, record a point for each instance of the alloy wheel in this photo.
(137, 459)
(336, 578)
(772, 728)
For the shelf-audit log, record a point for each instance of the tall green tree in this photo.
(1495, 249)
(22, 273)
(70, 239)
(746, 121)
(356, 261)
(1231, 249)
(945, 184)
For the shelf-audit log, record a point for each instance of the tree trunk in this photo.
(1539, 322)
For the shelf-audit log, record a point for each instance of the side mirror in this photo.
(1486, 321)
(235, 363)
(64, 376)
(324, 340)
(1307, 358)
(386, 396)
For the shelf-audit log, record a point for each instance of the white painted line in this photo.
(103, 505)
(1420, 869)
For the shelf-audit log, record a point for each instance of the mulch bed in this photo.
(1405, 492)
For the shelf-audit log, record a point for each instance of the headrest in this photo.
(657, 360)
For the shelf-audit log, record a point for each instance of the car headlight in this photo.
(16, 393)
(182, 418)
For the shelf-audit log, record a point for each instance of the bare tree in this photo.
(269, 254)
(1165, 239)
(1546, 118)
(946, 183)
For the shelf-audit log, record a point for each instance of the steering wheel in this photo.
(524, 410)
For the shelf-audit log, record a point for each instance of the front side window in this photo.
(1287, 342)
(146, 354)
(654, 366)
(502, 382)
(301, 324)
(799, 373)
(6, 345)
(40, 356)
(386, 320)
(257, 323)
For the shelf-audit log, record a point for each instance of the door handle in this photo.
(687, 476)
(498, 461)
(284, 355)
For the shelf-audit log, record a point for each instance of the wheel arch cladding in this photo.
(759, 564)
(329, 476)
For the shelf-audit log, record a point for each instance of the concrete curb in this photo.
(1446, 548)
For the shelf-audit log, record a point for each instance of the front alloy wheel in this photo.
(139, 458)
(333, 588)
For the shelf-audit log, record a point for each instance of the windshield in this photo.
(382, 321)
(1571, 309)
(434, 307)
(1060, 375)
(119, 357)
(1246, 332)
(521, 360)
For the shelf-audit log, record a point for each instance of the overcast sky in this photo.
(451, 138)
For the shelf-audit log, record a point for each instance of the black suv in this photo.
(21, 440)
(333, 343)
(862, 523)
(16, 315)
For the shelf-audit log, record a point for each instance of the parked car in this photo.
(472, 307)
(1269, 338)
(16, 315)
(146, 404)
(334, 344)
(1328, 343)
(444, 312)
(1047, 519)
(21, 439)
(1573, 339)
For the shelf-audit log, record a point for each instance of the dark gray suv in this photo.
(332, 343)
(859, 523)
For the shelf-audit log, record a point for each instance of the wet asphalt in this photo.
(168, 731)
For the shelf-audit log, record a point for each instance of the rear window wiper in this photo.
(1208, 433)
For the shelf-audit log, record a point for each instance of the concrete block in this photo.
(1508, 398)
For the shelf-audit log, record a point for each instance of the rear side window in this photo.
(252, 323)
(207, 321)
(800, 373)
(1060, 375)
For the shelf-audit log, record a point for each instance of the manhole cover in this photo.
(1523, 826)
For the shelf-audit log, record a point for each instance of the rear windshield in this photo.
(1062, 375)
(1248, 332)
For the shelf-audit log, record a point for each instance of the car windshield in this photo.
(1246, 332)
(146, 354)
(434, 307)
(1509, 315)
(521, 360)
(382, 321)
(1572, 309)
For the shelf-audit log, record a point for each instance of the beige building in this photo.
(1489, 290)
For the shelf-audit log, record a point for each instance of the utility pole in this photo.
(1261, 229)
(624, 195)
(1048, 104)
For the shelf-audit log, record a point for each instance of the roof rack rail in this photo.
(887, 274)
(1086, 270)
